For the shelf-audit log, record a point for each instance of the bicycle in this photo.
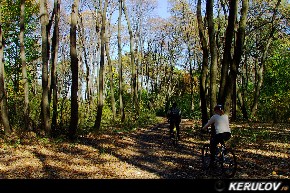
(225, 159)
(173, 136)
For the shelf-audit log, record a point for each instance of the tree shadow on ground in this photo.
(155, 153)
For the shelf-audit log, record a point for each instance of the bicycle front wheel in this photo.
(205, 156)
(229, 163)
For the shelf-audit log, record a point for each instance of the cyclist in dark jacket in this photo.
(174, 117)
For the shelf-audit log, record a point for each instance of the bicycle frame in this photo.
(224, 157)
(175, 137)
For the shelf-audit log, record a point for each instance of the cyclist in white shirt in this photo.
(222, 131)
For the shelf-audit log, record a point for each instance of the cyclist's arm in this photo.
(210, 122)
(168, 114)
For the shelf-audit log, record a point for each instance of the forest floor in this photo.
(146, 153)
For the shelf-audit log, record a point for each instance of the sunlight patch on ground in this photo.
(279, 145)
(169, 163)
(46, 151)
(77, 165)
(107, 157)
(266, 153)
(126, 170)
(87, 148)
(127, 151)
(20, 163)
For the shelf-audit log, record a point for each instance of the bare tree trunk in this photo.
(45, 87)
(239, 47)
(260, 78)
(213, 52)
(54, 56)
(24, 70)
(3, 96)
(191, 79)
(204, 66)
(242, 92)
(82, 35)
(242, 104)
(226, 89)
(75, 71)
(101, 71)
(120, 64)
(133, 66)
(227, 58)
(140, 64)
(113, 102)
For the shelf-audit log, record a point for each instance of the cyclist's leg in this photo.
(213, 144)
(171, 126)
(177, 128)
(226, 136)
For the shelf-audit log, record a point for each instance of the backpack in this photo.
(175, 113)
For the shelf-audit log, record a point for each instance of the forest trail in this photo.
(144, 153)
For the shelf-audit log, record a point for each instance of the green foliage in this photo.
(275, 96)
(87, 115)
(165, 85)
(146, 118)
(184, 103)
(257, 133)
(185, 106)
(11, 30)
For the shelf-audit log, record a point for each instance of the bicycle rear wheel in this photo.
(175, 137)
(229, 163)
(205, 156)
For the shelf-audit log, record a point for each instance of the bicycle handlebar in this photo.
(208, 130)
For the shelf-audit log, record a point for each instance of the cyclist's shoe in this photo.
(212, 165)
(225, 152)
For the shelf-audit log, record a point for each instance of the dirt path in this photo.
(141, 154)
(150, 154)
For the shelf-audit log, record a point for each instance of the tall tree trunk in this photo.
(45, 110)
(226, 89)
(3, 96)
(204, 66)
(213, 52)
(122, 112)
(101, 71)
(241, 101)
(191, 80)
(24, 70)
(75, 71)
(140, 56)
(239, 47)
(82, 35)
(241, 93)
(54, 57)
(111, 75)
(133, 66)
(227, 58)
(260, 78)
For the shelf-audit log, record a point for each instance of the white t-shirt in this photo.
(221, 123)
